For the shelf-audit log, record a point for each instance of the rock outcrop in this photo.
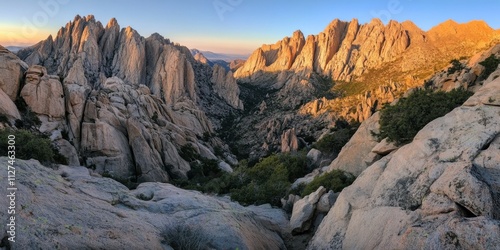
(12, 70)
(357, 154)
(129, 103)
(71, 208)
(43, 93)
(289, 141)
(226, 87)
(440, 191)
(303, 211)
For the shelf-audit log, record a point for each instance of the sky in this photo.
(229, 26)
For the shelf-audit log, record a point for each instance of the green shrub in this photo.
(155, 117)
(335, 180)
(268, 185)
(490, 64)
(456, 65)
(187, 237)
(30, 145)
(188, 152)
(339, 136)
(29, 119)
(4, 119)
(402, 121)
(266, 182)
(270, 179)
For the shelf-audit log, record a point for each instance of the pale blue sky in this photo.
(237, 26)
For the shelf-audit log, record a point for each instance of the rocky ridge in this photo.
(346, 51)
(127, 103)
(348, 71)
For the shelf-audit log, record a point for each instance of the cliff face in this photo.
(347, 51)
(128, 103)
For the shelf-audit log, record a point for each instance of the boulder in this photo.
(43, 93)
(384, 147)
(225, 167)
(326, 201)
(314, 157)
(303, 211)
(287, 204)
(66, 149)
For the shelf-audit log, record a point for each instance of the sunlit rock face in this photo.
(347, 51)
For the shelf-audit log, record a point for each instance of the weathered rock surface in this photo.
(8, 108)
(440, 191)
(11, 70)
(43, 93)
(326, 201)
(384, 147)
(314, 157)
(289, 141)
(129, 103)
(356, 155)
(69, 208)
(303, 211)
(226, 87)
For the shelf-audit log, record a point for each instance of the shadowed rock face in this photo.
(69, 208)
(440, 191)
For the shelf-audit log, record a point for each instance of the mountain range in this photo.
(144, 112)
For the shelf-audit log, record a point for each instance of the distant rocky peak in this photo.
(112, 23)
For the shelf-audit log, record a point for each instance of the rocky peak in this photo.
(129, 103)
(112, 23)
(349, 51)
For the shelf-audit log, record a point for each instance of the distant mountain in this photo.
(14, 49)
(371, 53)
(223, 60)
(212, 56)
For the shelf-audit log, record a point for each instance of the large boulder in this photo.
(43, 93)
(438, 192)
(356, 155)
(69, 208)
(11, 72)
(303, 211)
(289, 141)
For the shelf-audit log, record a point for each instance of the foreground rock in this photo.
(303, 211)
(438, 192)
(70, 209)
(357, 154)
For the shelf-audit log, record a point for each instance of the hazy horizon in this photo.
(228, 26)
